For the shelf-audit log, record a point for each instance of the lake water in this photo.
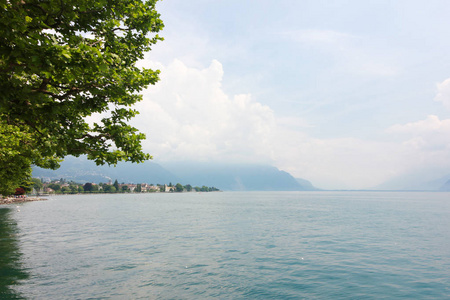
(230, 245)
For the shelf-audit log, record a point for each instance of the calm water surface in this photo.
(252, 245)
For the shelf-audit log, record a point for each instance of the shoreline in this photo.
(11, 200)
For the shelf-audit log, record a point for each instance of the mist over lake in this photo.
(229, 245)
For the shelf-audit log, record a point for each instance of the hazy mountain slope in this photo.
(445, 187)
(306, 185)
(235, 177)
(420, 181)
(82, 170)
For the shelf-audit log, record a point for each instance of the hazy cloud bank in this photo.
(188, 116)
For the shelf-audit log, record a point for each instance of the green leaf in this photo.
(66, 54)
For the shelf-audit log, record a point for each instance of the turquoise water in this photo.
(251, 245)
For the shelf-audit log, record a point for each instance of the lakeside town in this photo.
(62, 186)
(37, 188)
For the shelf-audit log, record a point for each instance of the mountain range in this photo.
(232, 177)
(227, 177)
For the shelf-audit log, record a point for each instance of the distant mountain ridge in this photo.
(446, 186)
(238, 177)
(306, 185)
(426, 181)
(232, 177)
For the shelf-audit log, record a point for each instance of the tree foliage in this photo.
(88, 187)
(37, 184)
(109, 188)
(116, 185)
(54, 186)
(62, 61)
(179, 188)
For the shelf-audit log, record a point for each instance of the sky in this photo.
(345, 94)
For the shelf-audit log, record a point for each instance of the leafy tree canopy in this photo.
(62, 61)
(37, 184)
(116, 184)
(178, 187)
(88, 187)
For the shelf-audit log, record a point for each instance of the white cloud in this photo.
(430, 133)
(432, 124)
(443, 93)
(424, 144)
(188, 116)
